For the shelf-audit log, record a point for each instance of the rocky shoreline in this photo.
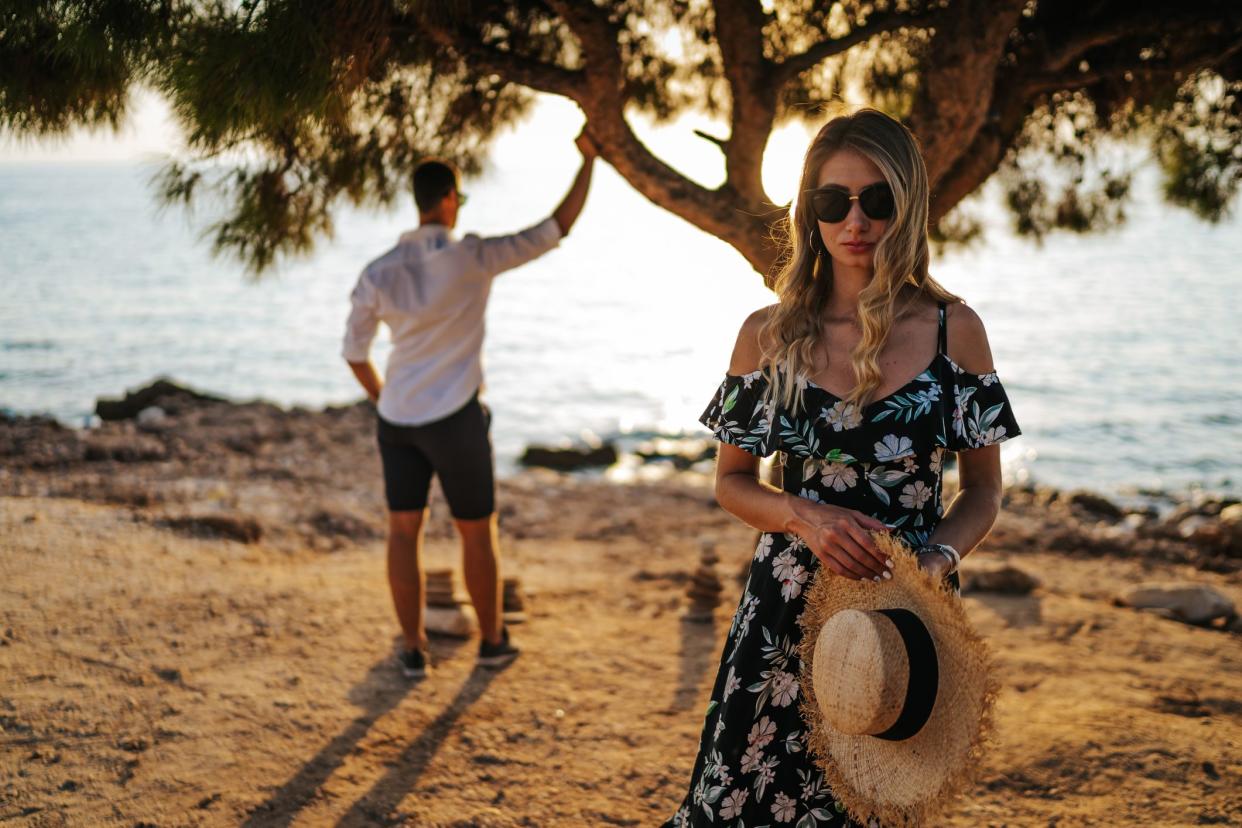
(257, 470)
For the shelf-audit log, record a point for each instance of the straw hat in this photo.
(897, 691)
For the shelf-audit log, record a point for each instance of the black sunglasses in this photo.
(832, 204)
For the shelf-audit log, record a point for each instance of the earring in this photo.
(810, 242)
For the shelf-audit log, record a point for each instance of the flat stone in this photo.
(1192, 603)
(1003, 579)
(455, 622)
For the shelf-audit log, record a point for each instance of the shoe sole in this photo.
(496, 660)
(413, 674)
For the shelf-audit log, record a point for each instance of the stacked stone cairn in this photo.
(448, 613)
(705, 586)
(513, 605)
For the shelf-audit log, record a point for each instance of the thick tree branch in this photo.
(983, 156)
(955, 91)
(602, 99)
(739, 31)
(597, 34)
(1108, 32)
(788, 69)
(1135, 69)
(534, 74)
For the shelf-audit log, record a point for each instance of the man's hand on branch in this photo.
(586, 145)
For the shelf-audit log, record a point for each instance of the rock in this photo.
(151, 415)
(1003, 579)
(124, 448)
(458, 621)
(513, 604)
(241, 529)
(167, 394)
(341, 524)
(682, 453)
(1212, 533)
(569, 459)
(1232, 515)
(1096, 505)
(1194, 525)
(1192, 603)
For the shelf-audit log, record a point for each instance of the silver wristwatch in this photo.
(951, 555)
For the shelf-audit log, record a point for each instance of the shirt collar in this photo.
(430, 236)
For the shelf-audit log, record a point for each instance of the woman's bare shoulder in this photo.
(748, 351)
(968, 339)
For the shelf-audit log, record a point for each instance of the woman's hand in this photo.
(841, 539)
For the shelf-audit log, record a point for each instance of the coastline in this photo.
(196, 630)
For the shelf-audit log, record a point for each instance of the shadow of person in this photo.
(375, 807)
(380, 691)
(697, 657)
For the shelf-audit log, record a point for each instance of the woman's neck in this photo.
(847, 283)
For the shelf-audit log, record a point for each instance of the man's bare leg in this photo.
(480, 545)
(405, 574)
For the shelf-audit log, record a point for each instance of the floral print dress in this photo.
(884, 459)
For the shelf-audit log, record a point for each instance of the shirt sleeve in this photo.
(363, 321)
(496, 254)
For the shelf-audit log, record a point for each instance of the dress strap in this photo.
(944, 331)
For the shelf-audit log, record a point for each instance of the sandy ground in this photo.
(151, 674)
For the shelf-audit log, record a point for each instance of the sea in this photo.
(1120, 350)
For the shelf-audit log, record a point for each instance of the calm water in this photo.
(1120, 352)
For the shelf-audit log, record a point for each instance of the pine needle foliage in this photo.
(293, 109)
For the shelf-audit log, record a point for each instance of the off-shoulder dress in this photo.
(884, 459)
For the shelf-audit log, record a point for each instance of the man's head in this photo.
(436, 192)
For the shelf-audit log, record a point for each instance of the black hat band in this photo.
(924, 675)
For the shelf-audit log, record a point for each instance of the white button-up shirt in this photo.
(431, 290)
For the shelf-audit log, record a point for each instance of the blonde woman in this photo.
(864, 375)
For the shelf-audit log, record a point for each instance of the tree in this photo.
(316, 103)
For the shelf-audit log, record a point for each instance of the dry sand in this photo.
(152, 674)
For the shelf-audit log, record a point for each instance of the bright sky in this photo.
(151, 133)
(149, 130)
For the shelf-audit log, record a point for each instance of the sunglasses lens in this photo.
(830, 206)
(877, 202)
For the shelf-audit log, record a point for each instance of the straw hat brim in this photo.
(908, 782)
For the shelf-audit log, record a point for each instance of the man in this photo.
(432, 291)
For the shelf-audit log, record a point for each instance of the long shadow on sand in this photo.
(375, 806)
(379, 692)
(699, 652)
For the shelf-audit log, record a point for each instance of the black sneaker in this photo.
(497, 655)
(413, 663)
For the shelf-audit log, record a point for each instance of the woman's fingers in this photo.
(861, 557)
(875, 559)
(838, 546)
(836, 566)
(868, 522)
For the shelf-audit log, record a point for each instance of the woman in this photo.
(863, 376)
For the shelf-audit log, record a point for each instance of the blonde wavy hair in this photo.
(791, 335)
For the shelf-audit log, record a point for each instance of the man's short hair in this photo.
(433, 180)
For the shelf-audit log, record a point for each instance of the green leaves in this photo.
(68, 64)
